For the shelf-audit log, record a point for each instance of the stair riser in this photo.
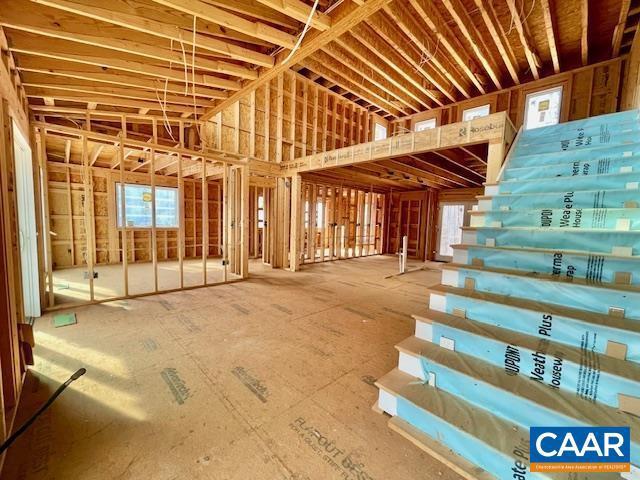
(616, 243)
(585, 380)
(572, 295)
(621, 181)
(613, 121)
(506, 404)
(581, 142)
(614, 154)
(466, 445)
(579, 199)
(575, 169)
(601, 218)
(596, 268)
(556, 328)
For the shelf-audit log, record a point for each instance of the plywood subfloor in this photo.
(271, 378)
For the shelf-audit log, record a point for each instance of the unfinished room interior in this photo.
(320, 239)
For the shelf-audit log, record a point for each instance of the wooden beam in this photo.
(205, 11)
(421, 174)
(335, 71)
(550, 31)
(81, 97)
(394, 65)
(619, 31)
(412, 88)
(380, 34)
(493, 128)
(366, 70)
(426, 9)
(453, 168)
(252, 8)
(524, 39)
(95, 153)
(490, 21)
(468, 29)
(86, 54)
(300, 11)
(346, 16)
(397, 171)
(52, 71)
(212, 155)
(584, 37)
(133, 94)
(67, 150)
(171, 31)
(72, 28)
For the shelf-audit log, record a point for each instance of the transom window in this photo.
(475, 112)
(380, 132)
(425, 125)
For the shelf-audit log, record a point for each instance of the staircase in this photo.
(537, 320)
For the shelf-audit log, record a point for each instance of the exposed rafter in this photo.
(549, 26)
(409, 84)
(618, 33)
(94, 9)
(42, 72)
(429, 13)
(461, 17)
(584, 24)
(393, 45)
(345, 17)
(300, 11)
(205, 11)
(365, 72)
(532, 56)
(61, 50)
(88, 32)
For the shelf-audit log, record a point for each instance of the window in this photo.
(451, 222)
(543, 108)
(138, 201)
(380, 132)
(319, 214)
(425, 125)
(260, 211)
(475, 112)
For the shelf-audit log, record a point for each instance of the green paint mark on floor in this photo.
(64, 319)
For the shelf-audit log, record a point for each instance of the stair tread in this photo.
(560, 401)
(595, 146)
(542, 277)
(535, 209)
(494, 431)
(555, 229)
(582, 253)
(441, 452)
(537, 194)
(536, 306)
(571, 162)
(610, 365)
(589, 177)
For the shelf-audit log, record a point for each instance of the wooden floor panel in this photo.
(271, 378)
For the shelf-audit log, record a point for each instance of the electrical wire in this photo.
(7, 443)
(304, 32)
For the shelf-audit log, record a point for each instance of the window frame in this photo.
(119, 219)
(432, 120)
(375, 131)
(471, 110)
(555, 88)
